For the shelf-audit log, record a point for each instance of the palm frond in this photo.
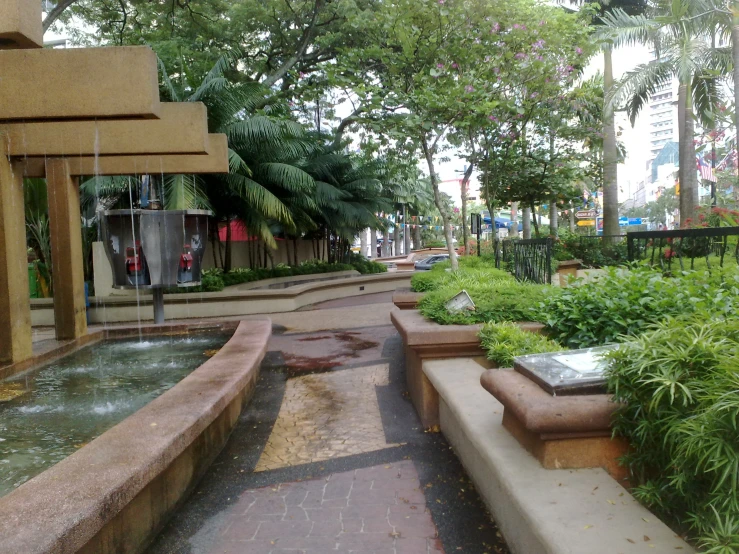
(257, 197)
(183, 192)
(638, 85)
(285, 176)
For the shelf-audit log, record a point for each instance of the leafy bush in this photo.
(434, 244)
(592, 251)
(211, 281)
(625, 302)
(215, 279)
(678, 384)
(504, 341)
(365, 266)
(472, 271)
(244, 275)
(497, 300)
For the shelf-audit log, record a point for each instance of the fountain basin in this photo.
(114, 494)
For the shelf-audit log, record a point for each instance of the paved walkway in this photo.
(329, 456)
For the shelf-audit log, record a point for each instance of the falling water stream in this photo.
(49, 413)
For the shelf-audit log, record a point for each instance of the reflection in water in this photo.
(47, 414)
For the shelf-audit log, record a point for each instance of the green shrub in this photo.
(211, 281)
(504, 341)
(678, 383)
(365, 266)
(592, 251)
(238, 276)
(434, 244)
(497, 300)
(241, 275)
(623, 302)
(472, 271)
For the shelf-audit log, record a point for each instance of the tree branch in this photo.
(339, 132)
(56, 12)
(292, 60)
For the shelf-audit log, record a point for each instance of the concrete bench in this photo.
(538, 510)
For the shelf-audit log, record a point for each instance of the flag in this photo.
(706, 170)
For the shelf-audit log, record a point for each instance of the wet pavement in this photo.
(329, 456)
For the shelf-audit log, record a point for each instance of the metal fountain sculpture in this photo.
(82, 112)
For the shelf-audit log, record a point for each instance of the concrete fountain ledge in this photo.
(113, 495)
(229, 302)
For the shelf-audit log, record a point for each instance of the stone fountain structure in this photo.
(71, 113)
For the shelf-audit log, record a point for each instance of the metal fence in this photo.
(532, 260)
(664, 247)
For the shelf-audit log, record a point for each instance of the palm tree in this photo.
(264, 148)
(678, 31)
(610, 145)
(350, 192)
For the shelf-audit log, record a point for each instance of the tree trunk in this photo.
(465, 224)
(406, 232)
(537, 219)
(396, 235)
(687, 174)
(363, 242)
(215, 246)
(526, 215)
(553, 216)
(227, 262)
(610, 154)
(440, 205)
(385, 243)
(514, 220)
(416, 238)
(372, 243)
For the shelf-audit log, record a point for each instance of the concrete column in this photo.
(15, 304)
(65, 228)
(101, 270)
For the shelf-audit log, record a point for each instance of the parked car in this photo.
(425, 265)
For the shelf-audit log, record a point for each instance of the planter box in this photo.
(406, 299)
(567, 270)
(426, 340)
(562, 432)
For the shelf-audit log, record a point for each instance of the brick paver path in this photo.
(329, 456)
(379, 510)
(327, 415)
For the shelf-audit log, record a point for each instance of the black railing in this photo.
(663, 247)
(532, 260)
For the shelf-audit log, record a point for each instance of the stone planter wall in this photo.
(426, 340)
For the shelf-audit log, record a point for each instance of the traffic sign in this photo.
(635, 221)
(586, 223)
(585, 214)
(623, 221)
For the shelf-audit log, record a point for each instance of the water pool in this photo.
(49, 413)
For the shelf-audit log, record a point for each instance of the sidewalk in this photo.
(329, 456)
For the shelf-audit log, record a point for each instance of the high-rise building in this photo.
(662, 110)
